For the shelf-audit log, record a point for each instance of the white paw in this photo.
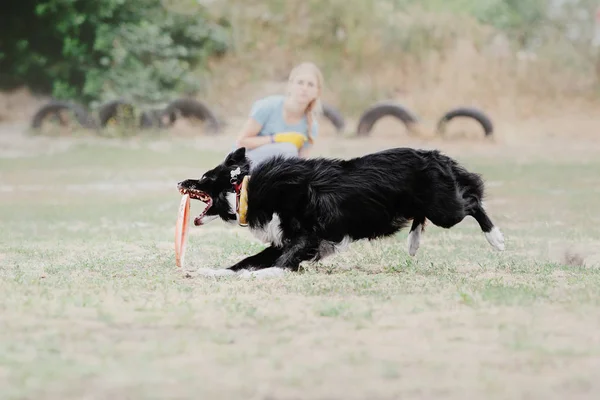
(495, 238)
(262, 273)
(214, 272)
(414, 239)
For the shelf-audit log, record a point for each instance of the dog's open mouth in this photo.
(203, 197)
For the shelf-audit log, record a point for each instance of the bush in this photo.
(86, 51)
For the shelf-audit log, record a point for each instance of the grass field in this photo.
(93, 307)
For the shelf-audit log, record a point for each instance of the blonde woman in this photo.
(285, 124)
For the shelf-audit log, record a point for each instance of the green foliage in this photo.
(529, 24)
(135, 49)
(522, 20)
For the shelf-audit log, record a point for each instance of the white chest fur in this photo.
(270, 233)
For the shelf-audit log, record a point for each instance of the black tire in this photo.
(156, 119)
(469, 112)
(148, 120)
(192, 108)
(55, 107)
(383, 109)
(111, 110)
(334, 116)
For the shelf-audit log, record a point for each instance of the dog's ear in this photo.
(236, 157)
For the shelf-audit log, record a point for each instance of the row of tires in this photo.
(191, 108)
(384, 109)
(121, 111)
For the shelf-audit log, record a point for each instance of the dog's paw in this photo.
(413, 241)
(209, 272)
(272, 272)
(495, 238)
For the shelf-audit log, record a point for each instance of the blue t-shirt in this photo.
(269, 113)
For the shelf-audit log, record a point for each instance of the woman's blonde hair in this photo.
(314, 108)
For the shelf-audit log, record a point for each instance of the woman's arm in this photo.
(248, 135)
(304, 152)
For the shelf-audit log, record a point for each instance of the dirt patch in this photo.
(575, 255)
(19, 105)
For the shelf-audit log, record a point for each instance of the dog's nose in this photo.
(179, 185)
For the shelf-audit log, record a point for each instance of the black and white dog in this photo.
(306, 209)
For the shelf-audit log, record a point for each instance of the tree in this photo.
(85, 50)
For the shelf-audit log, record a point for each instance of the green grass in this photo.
(93, 306)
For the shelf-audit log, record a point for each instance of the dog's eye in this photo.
(207, 178)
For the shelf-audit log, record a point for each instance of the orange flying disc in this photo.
(181, 229)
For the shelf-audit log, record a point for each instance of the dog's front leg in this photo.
(262, 260)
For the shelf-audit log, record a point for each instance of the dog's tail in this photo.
(472, 189)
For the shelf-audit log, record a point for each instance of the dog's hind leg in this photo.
(414, 236)
(303, 249)
(446, 212)
(493, 235)
(290, 257)
(472, 188)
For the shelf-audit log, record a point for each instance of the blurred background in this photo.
(522, 62)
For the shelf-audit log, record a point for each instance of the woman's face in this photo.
(303, 87)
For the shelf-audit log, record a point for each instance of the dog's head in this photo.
(216, 188)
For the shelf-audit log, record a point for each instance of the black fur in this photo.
(321, 201)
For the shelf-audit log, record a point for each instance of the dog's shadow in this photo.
(423, 266)
(402, 266)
